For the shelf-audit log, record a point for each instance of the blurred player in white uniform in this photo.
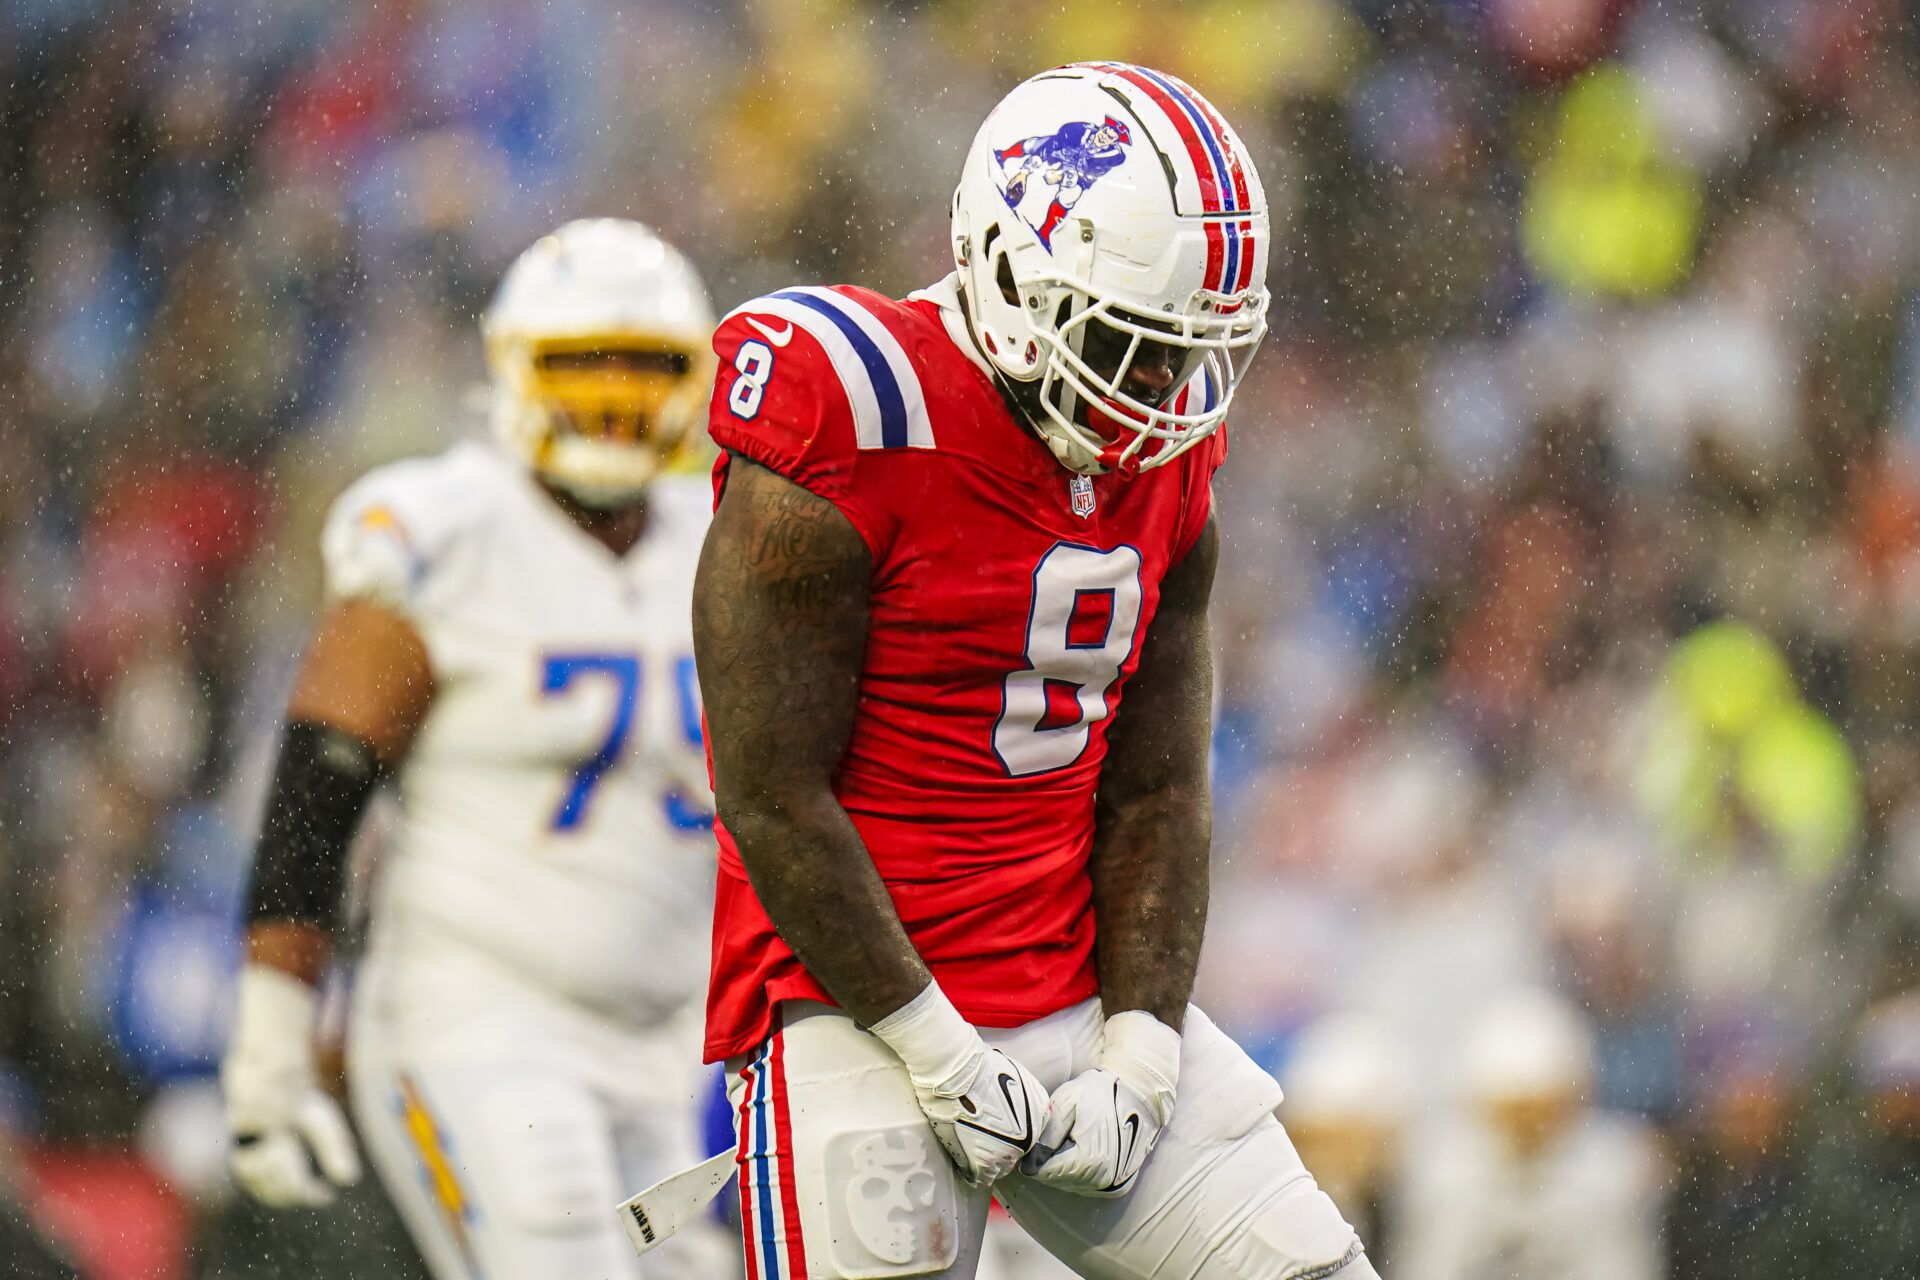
(507, 632)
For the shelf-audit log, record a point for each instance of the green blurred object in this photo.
(1728, 676)
(1606, 212)
(1734, 750)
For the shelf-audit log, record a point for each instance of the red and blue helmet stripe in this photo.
(1217, 166)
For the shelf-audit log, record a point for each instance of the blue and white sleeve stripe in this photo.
(889, 409)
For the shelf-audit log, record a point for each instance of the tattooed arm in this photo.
(1153, 817)
(779, 633)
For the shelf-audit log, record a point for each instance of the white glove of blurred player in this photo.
(1106, 1119)
(985, 1108)
(292, 1146)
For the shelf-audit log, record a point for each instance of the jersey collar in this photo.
(945, 294)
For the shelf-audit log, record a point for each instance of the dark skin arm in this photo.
(367, 674)
(1153, 815)
(779, 635)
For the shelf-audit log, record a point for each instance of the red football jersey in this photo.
(1008, 603)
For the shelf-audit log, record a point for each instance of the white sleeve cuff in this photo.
(928, 1034)
(1145, 1053)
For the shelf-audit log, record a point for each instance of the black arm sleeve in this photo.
(320, 788)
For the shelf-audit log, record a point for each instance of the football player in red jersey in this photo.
(951, 626)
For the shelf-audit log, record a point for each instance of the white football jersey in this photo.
(556, 815)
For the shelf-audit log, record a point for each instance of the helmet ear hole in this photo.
(1003, 271)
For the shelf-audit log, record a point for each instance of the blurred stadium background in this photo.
(1568, 854)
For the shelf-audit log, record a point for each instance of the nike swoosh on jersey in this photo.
(1023, 1140)
(780, 339)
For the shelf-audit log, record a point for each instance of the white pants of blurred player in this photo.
(840, 1176)
(507, 1125)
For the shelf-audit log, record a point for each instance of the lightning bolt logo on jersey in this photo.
(1006, 612)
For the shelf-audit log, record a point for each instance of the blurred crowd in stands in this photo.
(1568, 764)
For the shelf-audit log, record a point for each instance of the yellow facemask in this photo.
(619, 388)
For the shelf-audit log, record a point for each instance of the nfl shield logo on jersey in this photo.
(1081, 488)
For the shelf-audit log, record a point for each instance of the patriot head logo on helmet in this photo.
(1066, 162)
(1105, 209)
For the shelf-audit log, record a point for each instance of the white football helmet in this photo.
(598, 342)
(1104, 208)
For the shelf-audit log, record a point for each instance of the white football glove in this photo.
(292, 1146)
(1105, 1120)
(985, 1108)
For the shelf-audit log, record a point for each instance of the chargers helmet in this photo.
(1105, 207)
(598, 343)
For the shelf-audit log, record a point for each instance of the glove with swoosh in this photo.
(1106, 1119)
(985, 1108)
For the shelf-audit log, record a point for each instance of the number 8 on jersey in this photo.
(1086, 607)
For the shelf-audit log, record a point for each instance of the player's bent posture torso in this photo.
(995, 629)
(1002, 627)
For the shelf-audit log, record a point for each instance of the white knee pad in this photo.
(1298, 1234)
(891, 1202)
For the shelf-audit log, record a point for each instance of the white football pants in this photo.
(507, 1125)
(841, 1178)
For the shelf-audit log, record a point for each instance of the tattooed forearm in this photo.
(1153, 823)
(779, 633)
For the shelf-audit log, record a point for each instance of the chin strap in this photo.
(1073, 457)
(1111, 459)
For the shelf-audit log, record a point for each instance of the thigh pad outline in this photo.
(1297, 1234)
(891, 1203)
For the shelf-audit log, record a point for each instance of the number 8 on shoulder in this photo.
(754, 363)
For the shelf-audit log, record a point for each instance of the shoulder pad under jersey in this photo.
(809, 377)
(393, 529)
